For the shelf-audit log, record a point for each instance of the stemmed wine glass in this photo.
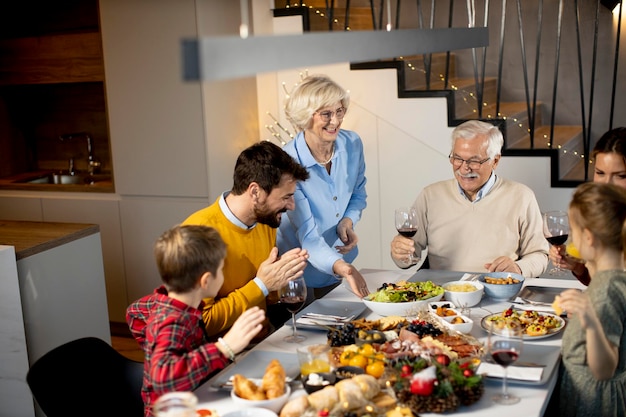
(556, 231)
(505, 346)
(406, 225)
(293, 296)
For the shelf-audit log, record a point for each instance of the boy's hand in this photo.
(248, 325)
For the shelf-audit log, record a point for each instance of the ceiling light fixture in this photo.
(220, 58)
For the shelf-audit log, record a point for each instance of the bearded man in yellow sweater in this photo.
(478, 221)
(247, 218)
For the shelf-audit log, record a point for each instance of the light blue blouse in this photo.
(321, 202)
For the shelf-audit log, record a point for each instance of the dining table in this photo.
(534, 395)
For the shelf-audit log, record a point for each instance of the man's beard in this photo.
(269, 218)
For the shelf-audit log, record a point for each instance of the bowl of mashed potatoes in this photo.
(463, 293)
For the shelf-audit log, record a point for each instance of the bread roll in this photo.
(368, 385)
(325, 398)
(350, 395)
(295, 407)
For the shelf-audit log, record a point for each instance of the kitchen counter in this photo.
(30, 238)
(19, 182)
(52, 291)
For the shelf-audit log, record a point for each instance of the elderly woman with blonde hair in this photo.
(330, 202)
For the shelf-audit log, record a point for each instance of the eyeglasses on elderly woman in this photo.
(327, 115)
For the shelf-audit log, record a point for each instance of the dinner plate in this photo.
(551, 332)
(327, 307)
(253, 365)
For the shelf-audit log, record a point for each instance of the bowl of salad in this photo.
(403, 298)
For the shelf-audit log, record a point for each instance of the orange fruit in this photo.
(358, 360)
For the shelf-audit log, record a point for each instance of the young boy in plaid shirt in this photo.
(168, 323)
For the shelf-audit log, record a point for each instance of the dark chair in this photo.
(87, 376)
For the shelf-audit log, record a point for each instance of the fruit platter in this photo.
(427, 367)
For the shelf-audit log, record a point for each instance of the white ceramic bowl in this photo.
(275, 404)
(251, 412)
(405, 309)
(465, 327)
(463, 299)
(502, 291)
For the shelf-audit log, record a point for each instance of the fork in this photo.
(470, 277)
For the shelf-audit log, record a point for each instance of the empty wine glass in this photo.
(406, 225)
(505, 346)
(293, 296)
(556, 231)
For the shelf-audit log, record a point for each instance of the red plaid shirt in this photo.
(177, 355)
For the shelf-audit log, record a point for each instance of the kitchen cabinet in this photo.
(51, 84)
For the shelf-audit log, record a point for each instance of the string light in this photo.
(468, 98)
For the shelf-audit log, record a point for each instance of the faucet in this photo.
(93, 165)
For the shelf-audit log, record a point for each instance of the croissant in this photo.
(246, 389)
(273, 383)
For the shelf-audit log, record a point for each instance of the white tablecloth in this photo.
(534, 398)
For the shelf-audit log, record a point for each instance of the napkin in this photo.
(523, 305)
(521, 373)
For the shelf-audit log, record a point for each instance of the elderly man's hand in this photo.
(276, 272)
(503, 264)
(402, 248)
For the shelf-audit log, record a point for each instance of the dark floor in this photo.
(123, 342)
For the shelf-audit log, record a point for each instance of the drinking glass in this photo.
(556, 231)
(406, 225)
(505, 346)
(293, 296)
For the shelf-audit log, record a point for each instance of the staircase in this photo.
(425, 76)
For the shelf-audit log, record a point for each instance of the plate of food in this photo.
(536, 324)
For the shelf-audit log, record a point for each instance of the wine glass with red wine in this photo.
(505, 346)
(556, 230)
(406, 225)
(293, 296)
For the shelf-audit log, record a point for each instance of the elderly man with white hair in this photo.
(477, 221)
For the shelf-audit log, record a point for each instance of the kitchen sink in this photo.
(61, 178)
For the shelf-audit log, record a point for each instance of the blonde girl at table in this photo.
(609, 156)
(593, 379)
(178, 355)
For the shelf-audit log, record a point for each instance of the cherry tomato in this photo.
(345, 357)
(406, 371)
(422, 387)
(443, 359)
(367, 349)
(467, 373)
(358, 360)
(375, 369)
(323, 413)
